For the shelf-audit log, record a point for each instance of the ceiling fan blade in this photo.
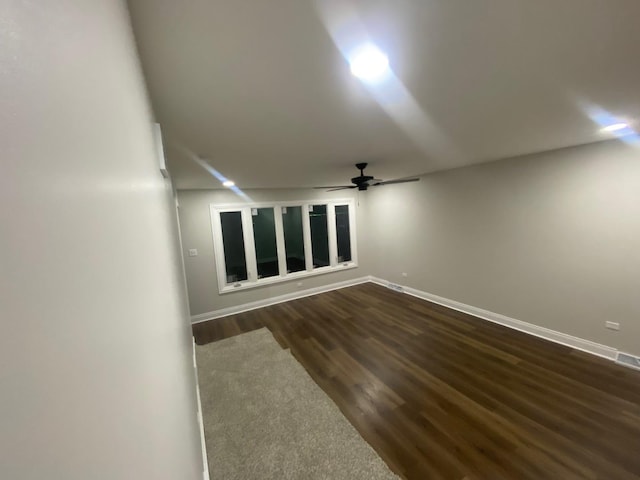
(332, 186)
(402, 180)
(341, 188)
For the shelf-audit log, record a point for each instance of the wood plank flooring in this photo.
(443, 395)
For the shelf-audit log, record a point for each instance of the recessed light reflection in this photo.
(621, 127)
(214, 173)
(369, 64)
(615, 127)
(228, 183)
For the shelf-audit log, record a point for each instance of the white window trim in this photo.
(249, 247)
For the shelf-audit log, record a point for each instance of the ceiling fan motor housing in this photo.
(363, 182)
(361, 179)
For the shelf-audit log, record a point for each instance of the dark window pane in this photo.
(233, 244)
(343, 234)
(319, 236)
(264, 235)
(293, 238)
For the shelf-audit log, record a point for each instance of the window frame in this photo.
(249, 247)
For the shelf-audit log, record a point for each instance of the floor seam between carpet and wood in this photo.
(266, 418)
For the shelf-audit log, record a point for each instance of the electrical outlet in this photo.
(612, 325)
(193, 252)
(404, 274)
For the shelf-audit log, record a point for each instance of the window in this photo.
(343, 233)
(234, 255)
(264, 238)
(261, 244)
(293, 238)
(319, 235)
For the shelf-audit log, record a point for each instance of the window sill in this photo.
(246, 285)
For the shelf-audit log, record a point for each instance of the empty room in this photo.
(320, 239)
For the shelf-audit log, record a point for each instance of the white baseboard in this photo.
(542, 332)
(224, 312)
(205, 462)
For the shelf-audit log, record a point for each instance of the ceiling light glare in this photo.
(369, 64)
(616, 127)
(228, 183)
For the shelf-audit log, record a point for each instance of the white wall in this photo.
(96, 380)
(195, 225)
(551, 239)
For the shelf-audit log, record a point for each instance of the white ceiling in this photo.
(261, 90)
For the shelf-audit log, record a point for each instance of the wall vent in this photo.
(396, 287)
(628, 360)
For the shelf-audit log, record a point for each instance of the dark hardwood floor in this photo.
(442, 395)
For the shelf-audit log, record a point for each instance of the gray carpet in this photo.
(265, 418)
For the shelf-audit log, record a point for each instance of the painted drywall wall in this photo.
(551, 239)
(96, 375)
(195, 226)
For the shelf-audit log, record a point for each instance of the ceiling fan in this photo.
(365, 181)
